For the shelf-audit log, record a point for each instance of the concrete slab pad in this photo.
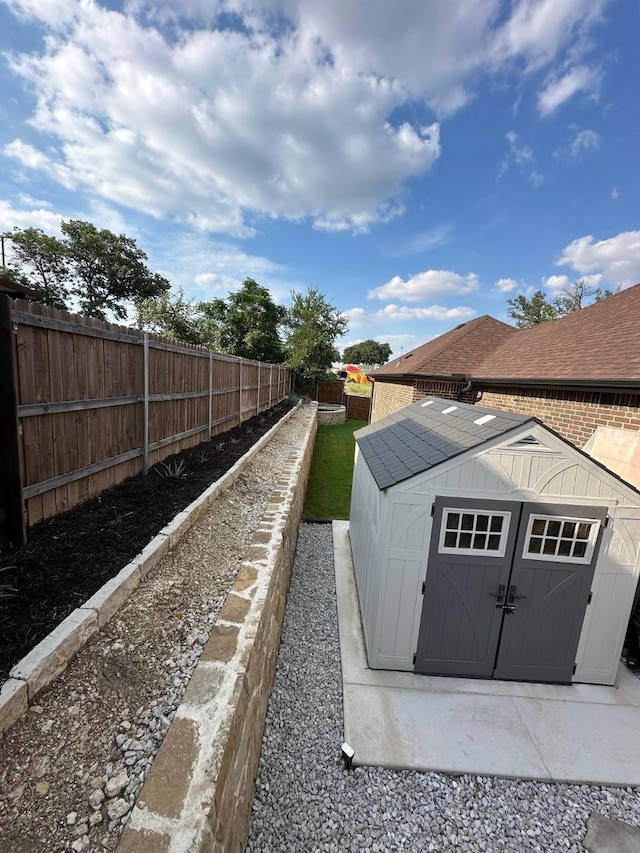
(577, 733)
(610, 836)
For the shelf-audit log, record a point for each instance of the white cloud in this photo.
(556, 283)
(432, 312)
(584, 140)
(522, 157)
(162, 110)
(12, 217)
(506, 285)
(615, 194)
(559, 89)
(433, 238)
(616, 260)
(423, 286)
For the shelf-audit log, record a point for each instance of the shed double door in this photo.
(507, 589)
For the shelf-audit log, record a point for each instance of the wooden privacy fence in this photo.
(358, 408)
(96, 403)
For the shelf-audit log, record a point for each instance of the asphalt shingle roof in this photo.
(601, 343)
(459, 351)
(422, 436)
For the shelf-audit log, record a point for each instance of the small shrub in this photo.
(172, 470)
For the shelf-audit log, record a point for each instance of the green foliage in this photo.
(367, 352)
(531, 312)
(172, 470)
(538, 309)
(41, 260)
(101, 270)
(108, 270)
(314, 324)
(329, 489)
(245, 324)
(173, 317)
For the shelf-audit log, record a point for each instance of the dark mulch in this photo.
(70, 556)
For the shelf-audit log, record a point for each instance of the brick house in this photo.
(577, 374)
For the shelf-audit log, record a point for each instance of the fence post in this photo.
(270, 382)
(210, 394)
(240, 394)
(145, 405)
(258, 400)
(12, 524)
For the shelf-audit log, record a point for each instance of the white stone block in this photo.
(52, 655)
(152, 554)
(14, 701)
(110, 597)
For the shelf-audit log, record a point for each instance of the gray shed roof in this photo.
(427, 433)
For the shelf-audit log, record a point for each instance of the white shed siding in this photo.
(391, 534)
(613, 588)
(364, 529)
(403, 570)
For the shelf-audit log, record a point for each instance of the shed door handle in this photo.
(499, 595)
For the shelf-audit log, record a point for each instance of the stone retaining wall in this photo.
(198, 795)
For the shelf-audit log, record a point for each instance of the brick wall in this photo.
(388, 397)
(574, 414)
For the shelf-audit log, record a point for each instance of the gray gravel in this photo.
(305, 800)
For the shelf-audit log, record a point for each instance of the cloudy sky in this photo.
(418, 161)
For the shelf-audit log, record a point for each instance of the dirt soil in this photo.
(41, 583)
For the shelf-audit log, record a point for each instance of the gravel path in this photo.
(72, 767)
(306, 801)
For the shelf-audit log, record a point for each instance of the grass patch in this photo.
(329, 489)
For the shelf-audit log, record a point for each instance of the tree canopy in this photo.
(367, 352)
(97, 269)
(540, 309)
(246, 323)
(313, 326)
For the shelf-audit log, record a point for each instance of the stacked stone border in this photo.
(198, 795)
(51, 656)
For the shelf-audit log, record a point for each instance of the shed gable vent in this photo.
(527, 441)
(484, 419)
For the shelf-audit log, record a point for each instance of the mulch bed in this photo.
(69, 557)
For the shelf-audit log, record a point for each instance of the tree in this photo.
(247, 323)
(314, 324)
(538, 309)
(531, 312)
(108, 270)
(174, 317)
(42, 261)
(102, 271)
(367, 352)
(574, 299)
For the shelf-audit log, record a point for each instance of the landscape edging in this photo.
(199, 792)
(47, 660)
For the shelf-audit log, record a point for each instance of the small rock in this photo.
(96, 798)
(40, 767)
(42, 788)
(46, 728)
(116, 784)
(71, 818)
(73, 710)
(80, 844)
(118, 808)
(81, 829)
(96, 782)
(36, 709)
(95, 818)
(117, 647)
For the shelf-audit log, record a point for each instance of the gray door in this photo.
(549, 592)
(507, 588)
(460, 623)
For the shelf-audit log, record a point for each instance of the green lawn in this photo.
(329, 490)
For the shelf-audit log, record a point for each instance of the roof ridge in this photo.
(477, 321)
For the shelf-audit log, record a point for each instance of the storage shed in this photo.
(485, 545)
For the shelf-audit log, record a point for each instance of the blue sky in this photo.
(417, 161)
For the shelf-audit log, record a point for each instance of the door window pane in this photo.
(468, 532)
(568, 540)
